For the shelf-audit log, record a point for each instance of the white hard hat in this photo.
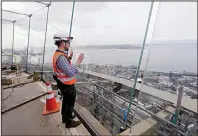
(61, 35)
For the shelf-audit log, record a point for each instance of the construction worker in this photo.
(64, 74)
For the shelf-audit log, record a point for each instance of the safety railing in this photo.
(106, 108)
(106, 104)
(100, 98)
(45, 75)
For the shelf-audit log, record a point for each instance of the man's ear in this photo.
(61, 43)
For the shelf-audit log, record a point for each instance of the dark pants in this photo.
(69, 96)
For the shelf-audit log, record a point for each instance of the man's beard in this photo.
(66, 49)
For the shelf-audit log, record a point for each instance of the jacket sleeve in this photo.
(66, 67)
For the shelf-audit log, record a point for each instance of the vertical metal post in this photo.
(137, 72)
(148, 57)
(45, 39)
(180, 91)
(103, 111)
(13, 41)
(70, 29)
(28, 40)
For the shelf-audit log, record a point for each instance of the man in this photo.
(65, 76)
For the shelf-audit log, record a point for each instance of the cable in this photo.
(139, 63)
(3, 99)
(140, 91)
(21, 85)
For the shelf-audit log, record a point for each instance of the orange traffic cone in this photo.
(51, 105)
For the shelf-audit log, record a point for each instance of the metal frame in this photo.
(45, 38)
(149, 112)
(28, 41)
(28, 15)
(139, 63)
(137, 72)
(15, 12)
(8, 20)
(103, 107)
(70, 29)
(42, 3)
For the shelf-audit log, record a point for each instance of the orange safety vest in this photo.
(59, 73)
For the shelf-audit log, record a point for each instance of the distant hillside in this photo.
(109, 47)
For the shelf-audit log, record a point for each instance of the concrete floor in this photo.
(20, 95)
(28, 119)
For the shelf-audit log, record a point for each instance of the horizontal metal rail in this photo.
(110, 107)
(101, 106)
(97, 115)
(96, 85)
(160, 107)
(102, 121)
(12, 21)
(42, 3)
(108, 101)
(17, 13)
(152, 114)
(163, 121)
(104, 108)
(109, 91)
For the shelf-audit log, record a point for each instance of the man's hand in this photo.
(80, 58)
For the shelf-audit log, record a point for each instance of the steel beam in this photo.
(28, 40)
(16, 12)
(139, 63)
(41, 3)
(45, 38)
(70, 29)
(178, 107)
(13, 41)
(8, 20)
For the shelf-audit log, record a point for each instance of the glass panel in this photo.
(106, 35)
(172, 60)
(111, 36)
(174, 41)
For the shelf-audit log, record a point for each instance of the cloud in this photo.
(98, 23)
(179, 22)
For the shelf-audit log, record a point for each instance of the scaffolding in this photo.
(97, 93)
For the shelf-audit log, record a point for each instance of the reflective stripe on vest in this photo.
(59, 73)
(66, 79)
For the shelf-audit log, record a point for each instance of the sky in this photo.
(100, 23)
